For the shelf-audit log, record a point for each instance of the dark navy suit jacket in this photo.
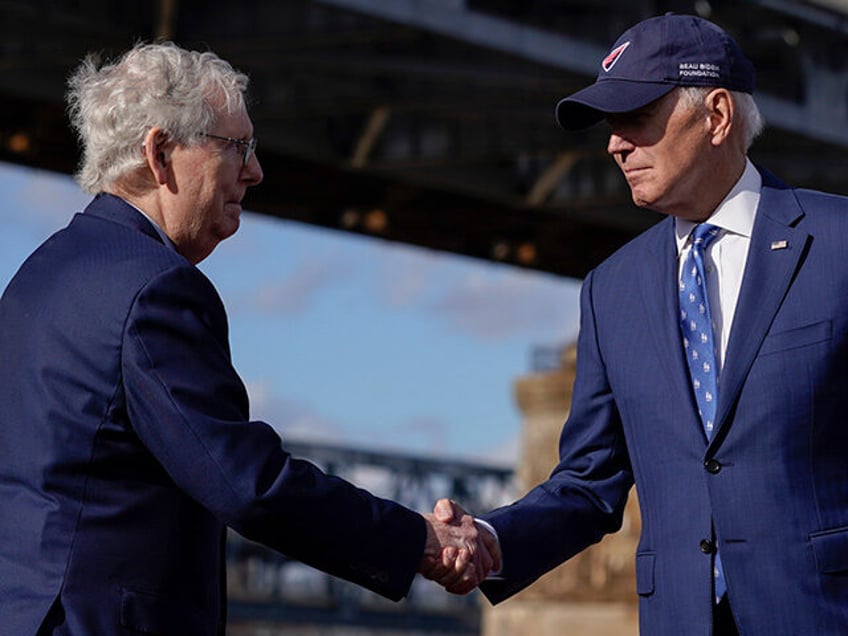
(125, 449)
(774, 478)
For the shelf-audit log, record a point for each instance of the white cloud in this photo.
(495, 307)
(292, 419)
(408, 276)
(295, 293)
(297, 420)
(486, 301)
(425, 433)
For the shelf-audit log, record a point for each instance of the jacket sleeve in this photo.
(584, 497)
(190, 409)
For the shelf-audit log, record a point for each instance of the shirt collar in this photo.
(735, 213)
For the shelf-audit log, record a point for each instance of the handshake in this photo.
(459, 553)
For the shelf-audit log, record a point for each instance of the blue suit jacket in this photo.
(774, 478)
(125, 449)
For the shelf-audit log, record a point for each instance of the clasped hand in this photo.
(459, 553)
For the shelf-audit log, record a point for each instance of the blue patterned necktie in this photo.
(699, 344)
(696, 325)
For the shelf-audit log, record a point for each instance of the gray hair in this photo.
(113, 106)
(752, 122)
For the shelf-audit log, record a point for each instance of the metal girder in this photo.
(453, 18)
(430, 121)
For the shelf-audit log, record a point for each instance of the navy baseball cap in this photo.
(652, 58)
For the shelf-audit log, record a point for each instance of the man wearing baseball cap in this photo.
(711, 366)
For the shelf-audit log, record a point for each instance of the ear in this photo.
(721, 110)
(157, 149)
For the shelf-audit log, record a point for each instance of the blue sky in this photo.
(352, 340)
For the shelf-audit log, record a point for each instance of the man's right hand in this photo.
(459, 553)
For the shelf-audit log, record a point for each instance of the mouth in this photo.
(634, 174)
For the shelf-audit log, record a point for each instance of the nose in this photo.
(252, 173)
(618, 145)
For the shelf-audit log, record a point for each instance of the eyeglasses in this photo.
(246, 146)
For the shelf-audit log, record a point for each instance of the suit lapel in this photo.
(659, 280)
(777, 247)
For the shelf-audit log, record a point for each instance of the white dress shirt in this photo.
(727, 254)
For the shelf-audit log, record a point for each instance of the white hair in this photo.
(752, 123)
(113, 106)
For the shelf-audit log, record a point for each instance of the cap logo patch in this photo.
(612, 58)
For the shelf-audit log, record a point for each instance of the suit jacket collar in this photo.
(113, 208)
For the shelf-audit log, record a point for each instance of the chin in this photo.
(644, 200)
(227, 229)
(640, 202)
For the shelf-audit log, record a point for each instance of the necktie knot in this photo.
(703, 234)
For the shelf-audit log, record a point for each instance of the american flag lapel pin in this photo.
(779, 245)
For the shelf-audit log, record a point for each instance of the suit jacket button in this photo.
(706, 546)
(713, 466)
